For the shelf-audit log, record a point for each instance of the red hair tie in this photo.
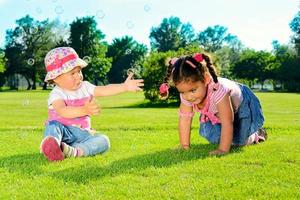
(198, 57)
(164, 91)
(163, 88)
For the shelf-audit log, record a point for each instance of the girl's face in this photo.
(194, 92)
(71, 80)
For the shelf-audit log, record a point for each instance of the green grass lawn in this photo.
(144, 161)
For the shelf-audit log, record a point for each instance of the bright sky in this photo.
(256, 22)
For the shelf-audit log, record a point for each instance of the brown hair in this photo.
(190, 68)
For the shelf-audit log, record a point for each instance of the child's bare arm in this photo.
(226, 116)
(89, 108)
(113, 89)
(184, 125)
(109, 90)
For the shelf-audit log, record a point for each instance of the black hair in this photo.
(187, 69)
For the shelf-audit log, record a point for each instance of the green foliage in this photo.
(295, 26)
(26, 47)
(126, 54)
(144, 161)
(225, 58)
(2, 61)
(154, 73)
(88, 42)
(289, 74)
(254, 65)
(171, 34)
(286, 60)
(2, 67)
(214, 38)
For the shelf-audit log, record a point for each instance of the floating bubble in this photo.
(133, 147)
(130, 24)
(87, 59)
(30, 61)
(59, 10)
(147, 8)
(128, 51)
(100, 14)
(130, 71)
(33, 30)
(23, 135)
(25, 102)
(38, 10)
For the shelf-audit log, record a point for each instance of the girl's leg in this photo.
(257, 137)
(70, 151)
(55, 129)
(50, 145)
(94, 144)
(89, 144)
(248, 120)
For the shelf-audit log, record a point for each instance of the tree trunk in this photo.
(13, 82)
(44, 86)
(28, 83)
(34, 80)
(34, 86)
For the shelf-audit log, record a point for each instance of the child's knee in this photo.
(107, 141)
(103, 142)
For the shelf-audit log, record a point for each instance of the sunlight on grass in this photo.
(144, 161)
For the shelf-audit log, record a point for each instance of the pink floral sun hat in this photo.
(61, 60)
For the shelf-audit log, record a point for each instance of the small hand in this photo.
(217, 152)
(133, 85)
(91, 107)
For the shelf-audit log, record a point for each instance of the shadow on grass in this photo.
(30, 164)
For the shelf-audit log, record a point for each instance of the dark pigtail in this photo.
(169, 72)
(164, 87)
(210, 68)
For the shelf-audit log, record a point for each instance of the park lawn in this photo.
(144, 161)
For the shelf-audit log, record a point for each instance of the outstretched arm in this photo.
(113, 89)
(226, 116)
(184, 125)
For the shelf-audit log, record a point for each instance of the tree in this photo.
(26, 47)
(2, 67)
(288, 70)
(171, 34)
(88, 42)
(254, 65)
(14, 65)
(295, 26)
(125, 53)
(214, 38)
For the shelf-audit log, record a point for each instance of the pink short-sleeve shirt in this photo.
(216, 92)
(71, 98)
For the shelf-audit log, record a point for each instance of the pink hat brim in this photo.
(66, 67)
